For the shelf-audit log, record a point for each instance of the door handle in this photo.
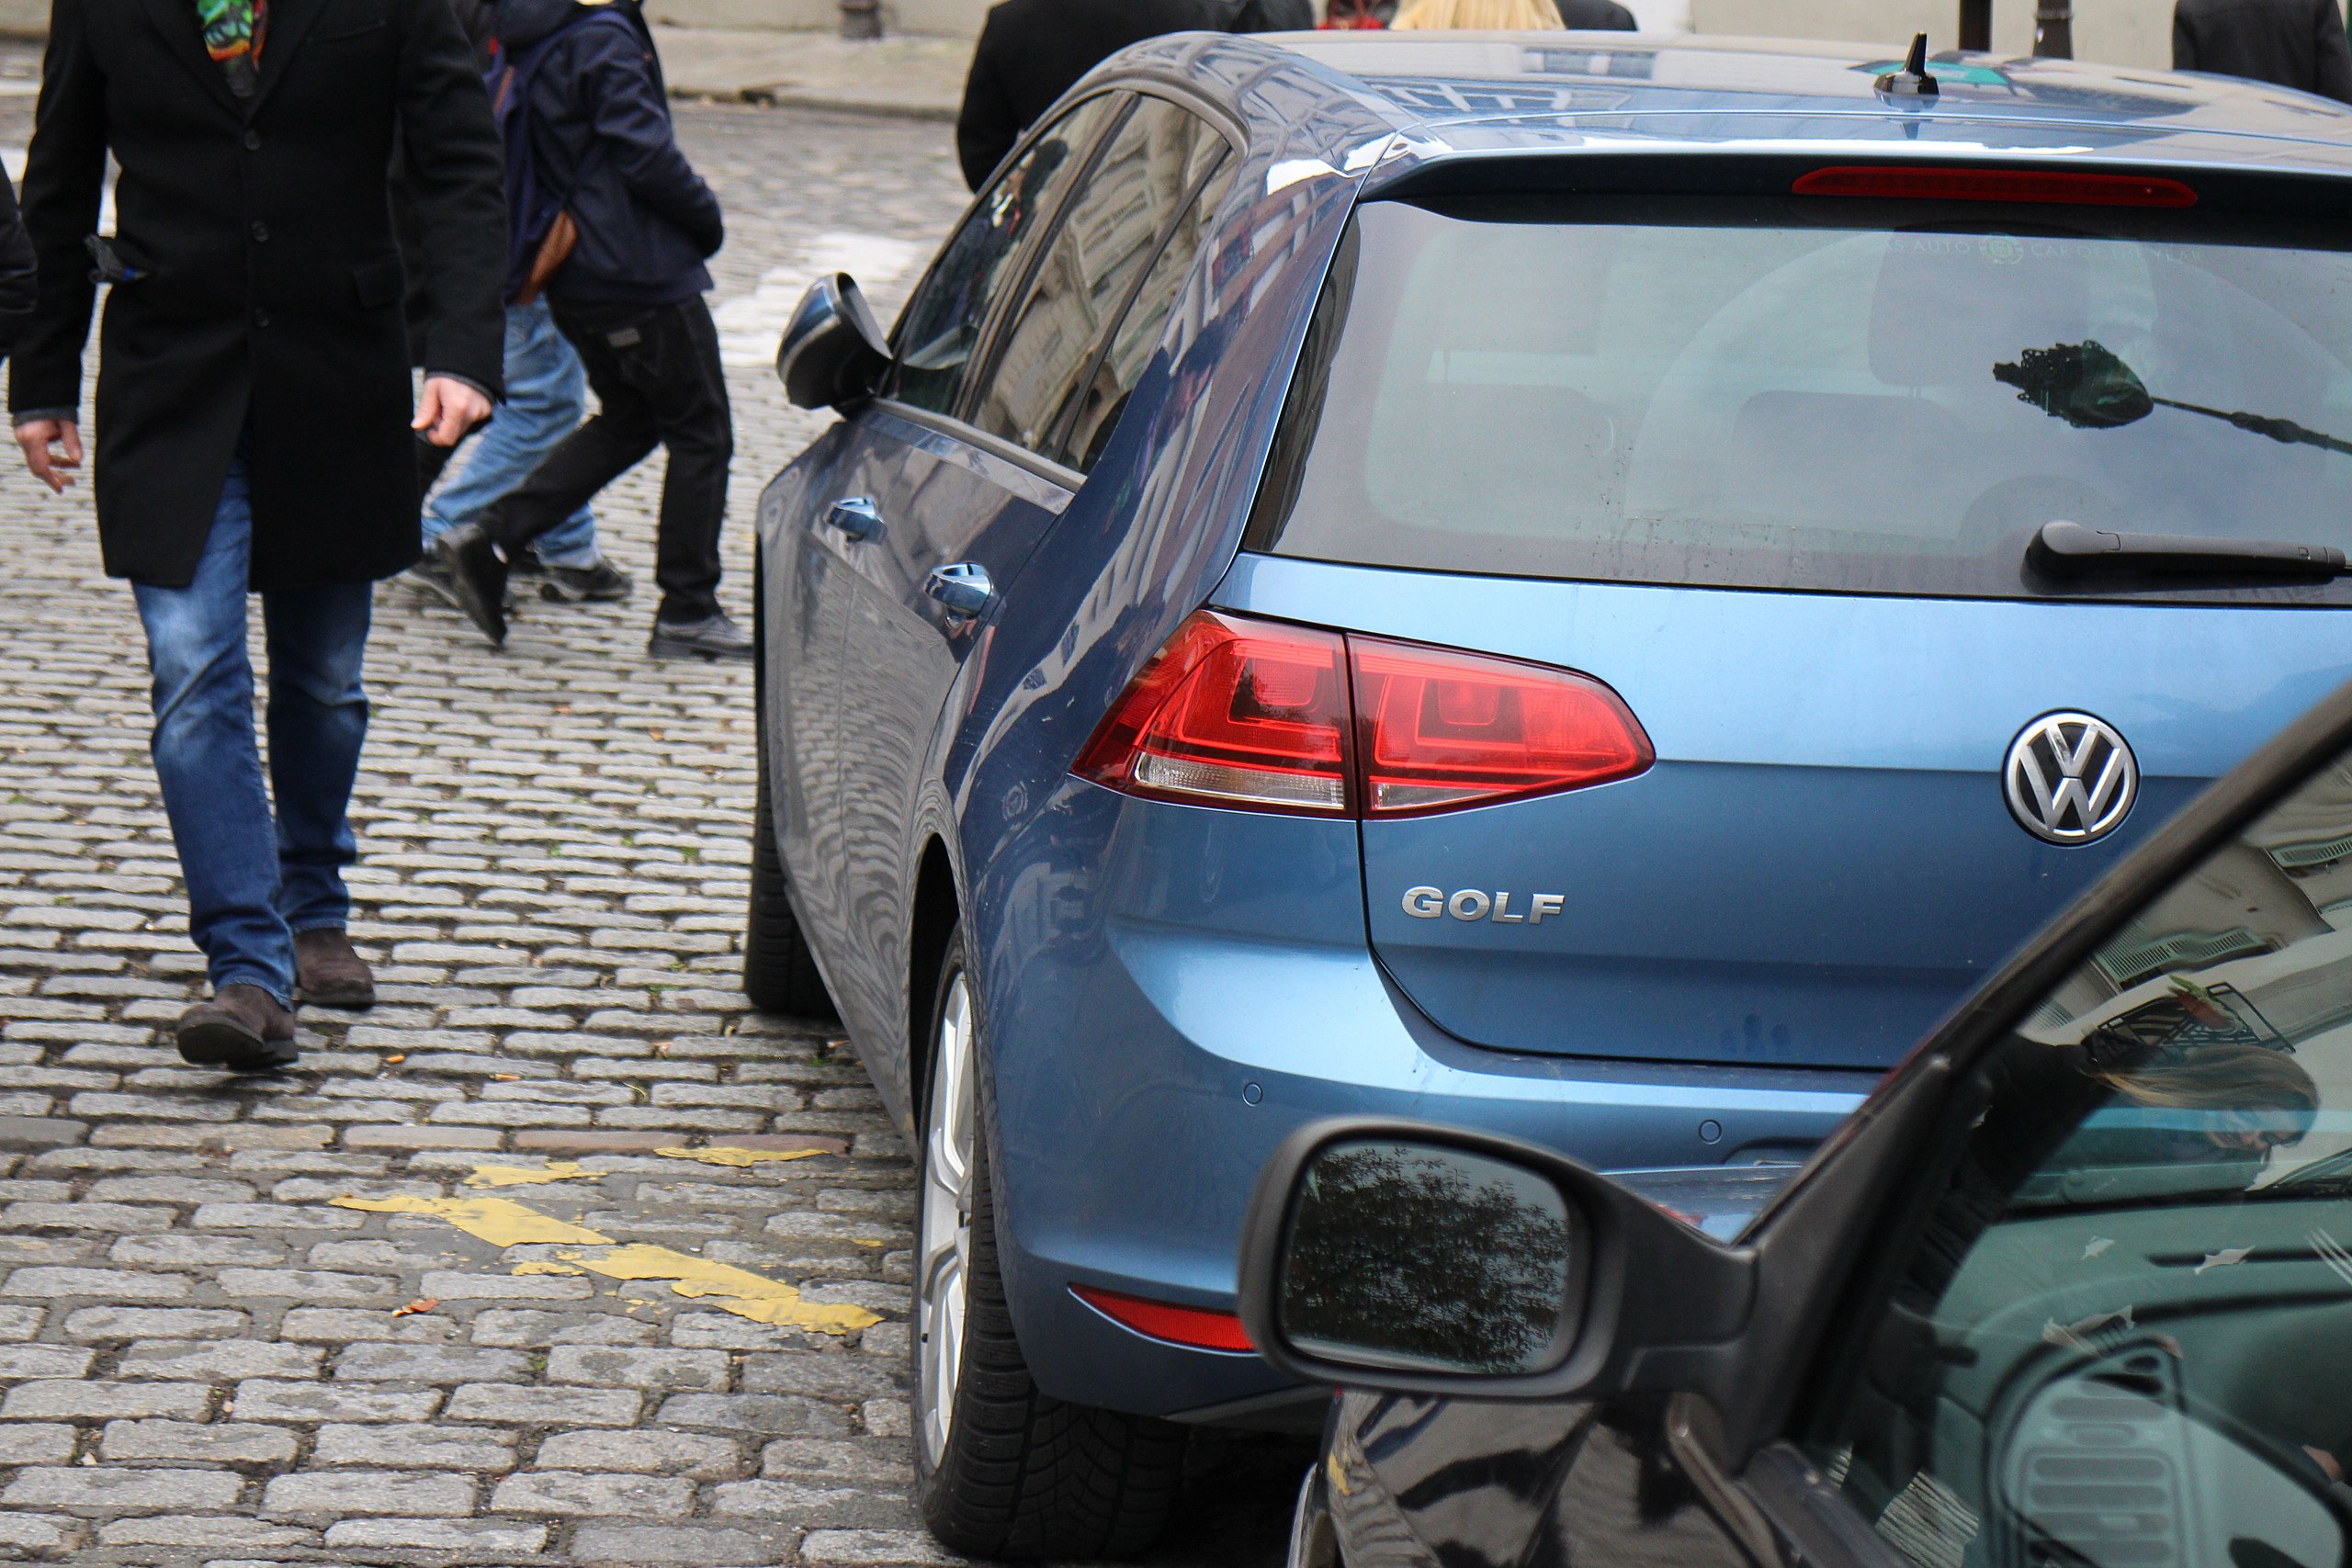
(855, 516)
(962, 586)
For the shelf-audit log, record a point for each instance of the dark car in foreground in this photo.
(1579, 586)
(2073, 1288)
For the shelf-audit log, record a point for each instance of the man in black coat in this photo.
(2291, 43)
(254, 412)
(629, 298)
(1031, 52)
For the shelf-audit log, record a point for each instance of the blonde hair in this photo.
(2223, 1075)
(1512, 16)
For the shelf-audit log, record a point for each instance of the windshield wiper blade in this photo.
(2070, 547)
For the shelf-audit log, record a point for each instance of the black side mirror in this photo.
(1421, 1260)
(834, 353)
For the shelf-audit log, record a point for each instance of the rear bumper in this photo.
(1144, 1067)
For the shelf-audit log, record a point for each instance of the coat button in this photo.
(261, 231)
(253, 141)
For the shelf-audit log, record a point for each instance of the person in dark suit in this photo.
(1595, 15)
(253, 413)
(2290, 44)
(1032, 52)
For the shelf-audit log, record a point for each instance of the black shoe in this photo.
(714, 636)
(477, 573)
(525, 562)
(431, 577)
(603, 583)
(241, 1028)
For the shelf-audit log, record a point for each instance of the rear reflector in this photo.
(1192, 1326)
(1945, 183)
(1273, 717)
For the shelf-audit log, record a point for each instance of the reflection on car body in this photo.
(1435, 575)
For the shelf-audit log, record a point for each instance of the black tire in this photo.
(779, 972)
(1024, 1475)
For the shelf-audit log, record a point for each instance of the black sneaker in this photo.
(715, 636)
(430, 576)
(601, 583)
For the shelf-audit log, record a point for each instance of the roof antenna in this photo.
(1914, 80)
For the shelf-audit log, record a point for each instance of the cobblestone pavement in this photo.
(559, 1255)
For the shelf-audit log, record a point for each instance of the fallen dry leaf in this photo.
(506, 1077)
(394, 1061)
(422, 1303)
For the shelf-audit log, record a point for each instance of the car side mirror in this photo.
(833, 352)
(1419, 1259)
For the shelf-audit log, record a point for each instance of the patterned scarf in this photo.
(234, 31)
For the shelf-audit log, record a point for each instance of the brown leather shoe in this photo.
(241, 1028)
(329, 974)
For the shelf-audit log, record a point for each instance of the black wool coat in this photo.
(1031, 52)
(269, 303)
(2293, 43)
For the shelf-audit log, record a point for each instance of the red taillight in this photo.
(1275, 718)
(1195, 1326)
(1437, 729)
(1232, 713)
(1947, 184)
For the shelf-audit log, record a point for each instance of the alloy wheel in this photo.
(945, 1229)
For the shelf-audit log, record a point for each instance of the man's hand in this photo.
(37, 436)
(448, 409)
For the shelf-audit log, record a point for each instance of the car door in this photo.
(839, 519)
(2116, 1324)
(970, 498)
(2075, 1289)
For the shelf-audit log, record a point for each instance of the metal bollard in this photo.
(1977, 25)
(2053, 29)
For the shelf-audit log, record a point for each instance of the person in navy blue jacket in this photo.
(630, 298)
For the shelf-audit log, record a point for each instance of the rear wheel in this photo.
(1000, 1469)
(779, 972)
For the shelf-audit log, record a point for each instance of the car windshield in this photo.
(1842, 396)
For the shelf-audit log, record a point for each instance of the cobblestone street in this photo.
(560, 1255)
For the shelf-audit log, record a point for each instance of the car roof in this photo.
(1470, 94)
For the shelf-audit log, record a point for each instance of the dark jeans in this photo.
(657, 375)
(257, 877)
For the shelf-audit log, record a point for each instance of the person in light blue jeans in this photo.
(547, 396)
(257, 879)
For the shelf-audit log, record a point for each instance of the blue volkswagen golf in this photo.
(1571, 586)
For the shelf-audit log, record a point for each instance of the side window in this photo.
(1090, 268)
(943, 321)
(2122, 1333)
(1103, 396)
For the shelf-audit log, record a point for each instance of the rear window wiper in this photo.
(2070, 547)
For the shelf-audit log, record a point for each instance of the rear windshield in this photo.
(1827, 395)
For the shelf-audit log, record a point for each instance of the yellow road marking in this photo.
(503, 1221)
(741, 1159)
(526, 1176)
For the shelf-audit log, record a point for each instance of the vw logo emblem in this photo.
(2070, 778)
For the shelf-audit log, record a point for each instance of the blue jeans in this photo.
(547, 396)
(253, 879)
